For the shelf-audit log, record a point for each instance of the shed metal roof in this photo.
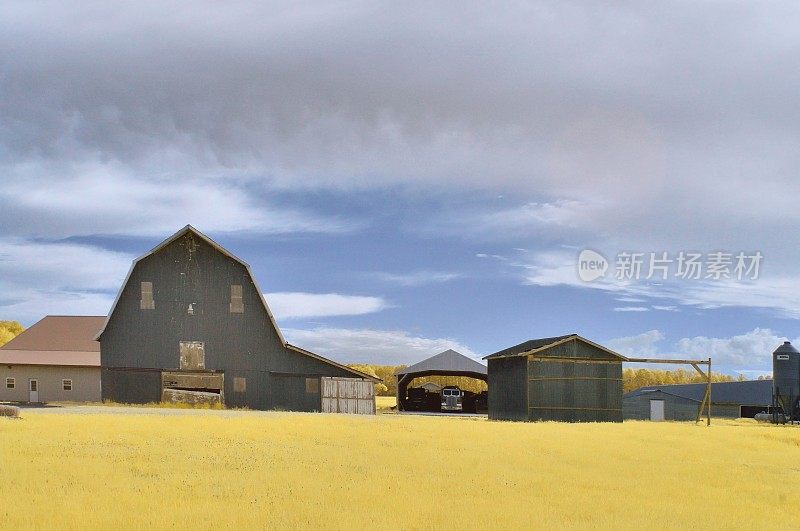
(56, 340)
(537, 345)
(751, 392)
(449, 361)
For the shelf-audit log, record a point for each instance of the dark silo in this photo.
(786, 378)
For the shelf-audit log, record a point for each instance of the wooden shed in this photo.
(566, 378)
(191, 324)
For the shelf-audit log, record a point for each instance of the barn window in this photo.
(66, 385)
(237, 304)
(147, 302)
(312, 386)
(193, 355)
(11, 383)
(239, 385)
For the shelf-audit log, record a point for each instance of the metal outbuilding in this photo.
(680, 401)
(564, 378)
(447, 363)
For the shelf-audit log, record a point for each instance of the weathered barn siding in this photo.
(193, 299)
(85, 383)
(508, 394)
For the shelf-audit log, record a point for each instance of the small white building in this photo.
(432, 387)
(55, 360)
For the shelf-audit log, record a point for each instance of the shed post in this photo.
(708, 418)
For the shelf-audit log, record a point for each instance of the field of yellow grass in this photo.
(115, 468)
(385, 403)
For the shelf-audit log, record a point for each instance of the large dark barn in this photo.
(566, 378)
(190, 323)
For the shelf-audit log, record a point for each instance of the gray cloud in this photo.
(641, 122)
(322, 92)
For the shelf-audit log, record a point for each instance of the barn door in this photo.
(348, 395)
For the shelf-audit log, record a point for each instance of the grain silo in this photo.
(786, 382)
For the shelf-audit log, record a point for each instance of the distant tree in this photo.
(380, 388)
(9, 330)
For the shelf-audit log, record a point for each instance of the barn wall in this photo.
(247, 345)
(508, 398)
(131, 386)
(85, 383)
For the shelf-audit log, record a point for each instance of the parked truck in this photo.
(452, 398)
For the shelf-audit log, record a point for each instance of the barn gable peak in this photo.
(189, 229)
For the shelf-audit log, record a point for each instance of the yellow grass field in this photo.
(127, 468)
(385, 403)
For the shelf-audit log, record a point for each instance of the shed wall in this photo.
(575, 391)
(574, 382)
(508, 393)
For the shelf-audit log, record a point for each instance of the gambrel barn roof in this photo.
(225, 252)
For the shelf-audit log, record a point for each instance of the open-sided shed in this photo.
(565, 378)
(447, 363)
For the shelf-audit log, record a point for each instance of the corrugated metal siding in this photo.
(190, 271)
(575, 391)
(508, 398)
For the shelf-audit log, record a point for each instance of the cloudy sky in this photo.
(405, 178)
